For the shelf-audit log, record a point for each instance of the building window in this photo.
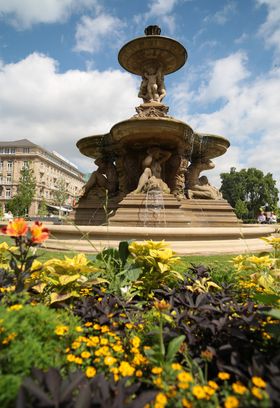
(1, 165)
(7, 150)
(9, 178)
(8, 193)
(25, 164)
(10, 165)
(26, 150)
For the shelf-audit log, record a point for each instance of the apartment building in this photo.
(49, 168)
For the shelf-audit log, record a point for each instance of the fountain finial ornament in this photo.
(152, 30)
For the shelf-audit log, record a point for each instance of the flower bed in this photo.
(128, 330)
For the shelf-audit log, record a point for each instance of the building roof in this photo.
(27, 143)
(18, 143)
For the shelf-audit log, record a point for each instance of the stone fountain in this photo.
(152, 154)
(148, 182)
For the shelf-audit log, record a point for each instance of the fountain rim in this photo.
(149, 38)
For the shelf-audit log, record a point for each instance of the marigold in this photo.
(109, 360)
(258, 382)
(39, 233)
(257, 392)
(61, 330)
(15, 307)
(90, 372)
(186, 403)
(223, 376)
(185, 377)
(231, 402)
(239, 388)
(213, 384)
(157, 370)
(199, 392)
(161, 400)
(16, 228)
(126, 369)
(85, 354)
(135, 341)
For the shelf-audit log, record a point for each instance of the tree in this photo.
(61, 194)
(19, 205)
(251, 187)
(42, 210)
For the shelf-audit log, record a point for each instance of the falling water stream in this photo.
(154, 212)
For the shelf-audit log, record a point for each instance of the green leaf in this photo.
(133, 274)
(123, 252)
(274, 313)
(173, 347)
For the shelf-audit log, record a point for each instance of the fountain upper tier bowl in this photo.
(140, 53)
(168, 133)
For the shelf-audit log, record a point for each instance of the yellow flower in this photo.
(239, 388)
(90, 372)
(15, 307)
(126, 369)
(184, 377)
(161, 399)
(79, 329)
(183, 385)
(186, 403)
(88, 324)
(128, 325)
(257, 392)
(104, 341)
(104, 329)
(96, 326)
(78, 360)
(109, 360)
(157, 370)
(139, 373)
(199, 392)
(213, 384)
(85, 354)
(70, 357)
(231, 402)
(158, 382)
(258, 382)
(61, 330)
(118, 348)
(223, 376)
(135, 341)
(75, 345)
(176, 366)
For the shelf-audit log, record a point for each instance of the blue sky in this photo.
(60, 79)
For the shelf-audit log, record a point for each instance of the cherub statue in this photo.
(152, 88)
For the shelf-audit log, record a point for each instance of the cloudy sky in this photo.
(60, 79)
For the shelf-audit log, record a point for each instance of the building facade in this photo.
(48, 167)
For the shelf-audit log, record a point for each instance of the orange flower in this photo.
(39, 233)
(16, 228)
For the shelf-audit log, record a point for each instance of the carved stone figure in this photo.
(152, 165)
(152, 88)
(204, 190)
(180, 163)
(194, 170)
(104, 177)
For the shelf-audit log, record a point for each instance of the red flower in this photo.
(16, 228)
(39, 233)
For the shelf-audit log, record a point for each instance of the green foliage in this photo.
(28, 339)
(60, 195)
(43, 210)
(251, 188)
(20, 204)
(241, 209)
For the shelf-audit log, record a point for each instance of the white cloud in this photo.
(270, 29)
(247, 114)
(55, 110)
(24, 13)
(91, 32)
(161, 11)
(223, 15)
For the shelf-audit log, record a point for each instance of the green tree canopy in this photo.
(60, 194)
(20, 204)
(252, 188)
